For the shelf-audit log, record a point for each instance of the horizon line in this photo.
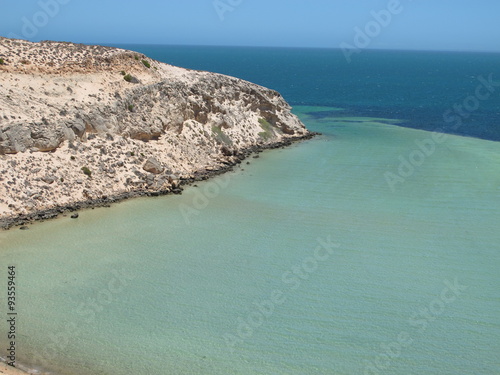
(270, 46)
(294, 47)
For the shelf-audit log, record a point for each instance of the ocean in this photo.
(370, 249)
(418, 88)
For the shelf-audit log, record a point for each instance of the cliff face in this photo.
(80, 122)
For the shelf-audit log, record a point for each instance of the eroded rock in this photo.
(152, 165)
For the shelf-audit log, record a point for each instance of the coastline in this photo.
(8, 370)
(54, 212)
(202, 175)
(88, 126)
(85, 123)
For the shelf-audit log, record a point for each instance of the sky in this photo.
(460, 25)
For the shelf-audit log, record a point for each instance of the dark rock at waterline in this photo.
(24, 228)
(75, 216)
(226, 151)
(6, 223)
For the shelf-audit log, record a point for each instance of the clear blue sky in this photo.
(420, 24)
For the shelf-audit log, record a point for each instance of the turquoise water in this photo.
(231, 277)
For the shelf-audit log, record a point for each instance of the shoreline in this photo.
(53, 213)
(22, 221)
(9, 370)
(85, 123)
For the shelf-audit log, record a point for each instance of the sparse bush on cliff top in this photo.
(2, 62)
(146, 64)
(130, 78)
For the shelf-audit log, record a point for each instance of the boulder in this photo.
(49, 179)
(78, 127)
(153, 166)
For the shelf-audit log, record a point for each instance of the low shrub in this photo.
(268, 132)
(87, 171)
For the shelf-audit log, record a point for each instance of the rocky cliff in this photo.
(81, 122)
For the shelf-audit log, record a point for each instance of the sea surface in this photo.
(418, 88)
(371, 249)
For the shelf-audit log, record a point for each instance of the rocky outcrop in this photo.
(153, 166)
(81, 122)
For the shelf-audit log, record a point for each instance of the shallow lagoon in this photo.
(227, 277)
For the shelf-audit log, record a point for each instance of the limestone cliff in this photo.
(80, 122)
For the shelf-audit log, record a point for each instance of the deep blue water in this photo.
(415, 87)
